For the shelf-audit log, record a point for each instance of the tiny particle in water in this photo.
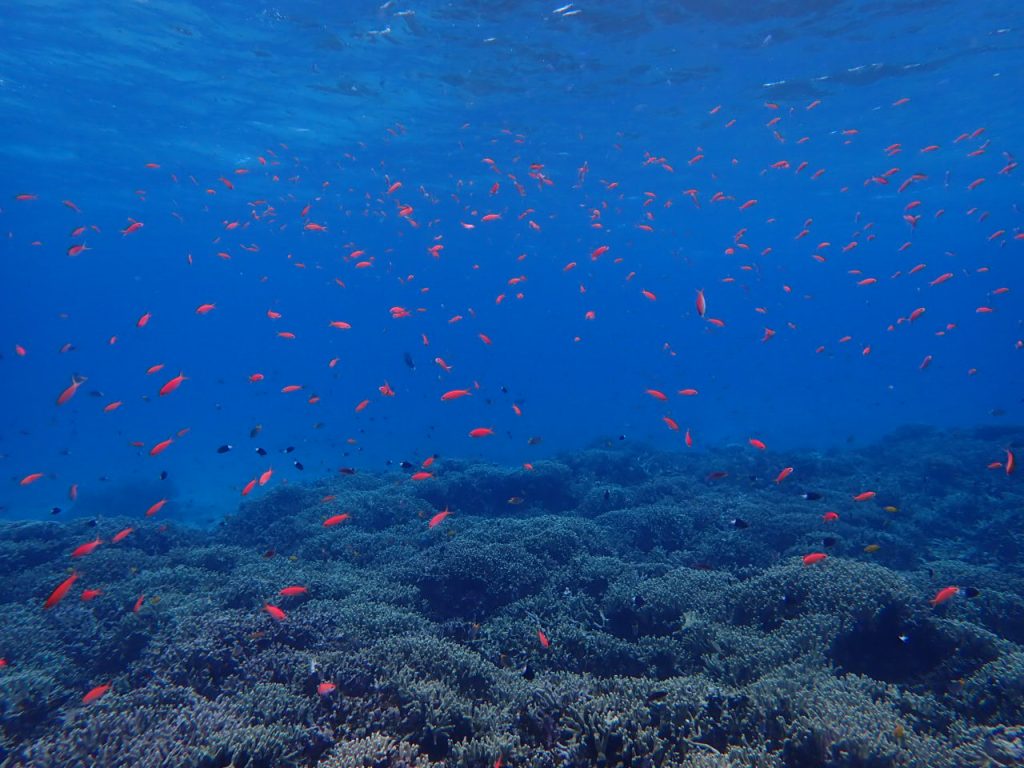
(811, 496)
(225, 448)
(739, 523)
(261, 451)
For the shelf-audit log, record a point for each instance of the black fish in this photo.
(225, 448)
(828, 541)
(406, 465)
(289, 449)
(261, 452)
(971, 592)
(638, 601)
(739, 523)
(298, 465)
(811, 496)
(163, 474)
(55, 511)
(408, 360)
(347, 471)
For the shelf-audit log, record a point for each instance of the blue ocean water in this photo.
(523, 201)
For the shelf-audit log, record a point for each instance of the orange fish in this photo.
(783, 475)
(160, 447)
(156, 508)
(335, 519)
(438, 518)
(275, 612)
(172, 385)
(86, 549)
(121, 535)
(265, 477)
(95, 693)
(67, 394)
(58, 594)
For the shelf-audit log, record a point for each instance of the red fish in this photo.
(438, 518)
(172, 385)
(325, 688)
(160, 447)
(292, 591)
(60, 592)
(90, 594)
(335, 519)
(455, 394)
(275, 612)
(783, 475)
(544, 642)
(421, 476)
(138, 604)
(265, 477)
(865, 496)
(481, 432)
(95, 693)
(656, 394)
(944, 594)
(202, 309)
(814, 557)
(67, 394)
(757, 444)
(248, 487)
(830, 517)
(29, 479)
(86, 549)
(156, 508)
(702, 305)
(1011, 462)
(121, 535)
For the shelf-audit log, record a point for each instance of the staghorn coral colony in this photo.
(615, 607)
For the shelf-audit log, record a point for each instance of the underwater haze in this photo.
(511, 384)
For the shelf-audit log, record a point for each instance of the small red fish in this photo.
(830, 517)
(1011, 462)
(335, 519)
(138, 604)
(121, 535)
(90, 594)
(156, 508)
(421, 475)
(481, 432)
(944, 594)
(702, 304)
(160, 447)
(757, 444)
(172, 385)
(292, 591)
(86, 549)
(60, 592)
(249, 486)
(29, 479)
(814, 557)
(67, 394)
(275, 612)
(783, 475)
(325, 688)
(438, 518)
(265, 477)
(95, 693)
(544, 642)
(865, 496)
